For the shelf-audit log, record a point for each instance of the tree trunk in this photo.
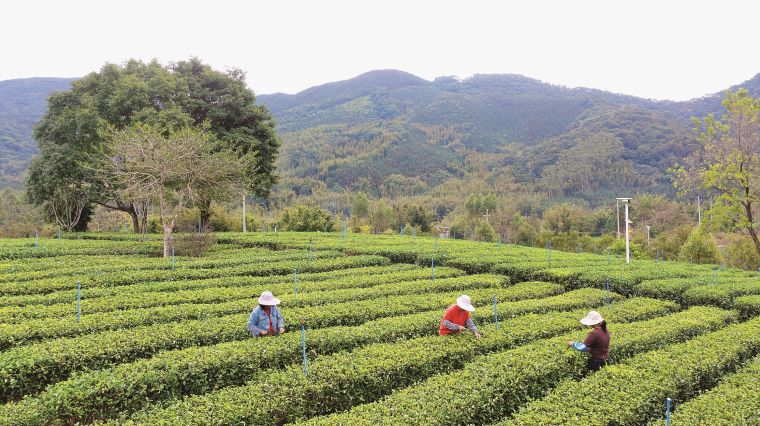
(168, 242)
(129, 209)
(205, 210)
(135, 222)
(755, 239)
(142, 215)
(751, 225)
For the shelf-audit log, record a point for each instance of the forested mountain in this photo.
(22, 103)
(391, 134)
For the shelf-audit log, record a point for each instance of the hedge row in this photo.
(128, 387)
(700, 290)
(634, 392)
(132, 277)
(380, 284)
(736, 401)
(749, 306)
(720, 295)
(240, 281)
(78, 266)
(495, 385)
(24, 248)
(48, 328)
(28, 369)
(669, 289)
(343, 380)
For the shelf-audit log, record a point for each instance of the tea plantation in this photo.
(148, 340)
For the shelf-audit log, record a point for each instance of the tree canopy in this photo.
(728, 164)
(79, 123)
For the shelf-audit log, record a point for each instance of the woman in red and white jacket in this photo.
(457, 318)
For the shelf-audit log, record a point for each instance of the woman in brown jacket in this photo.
(597, 343)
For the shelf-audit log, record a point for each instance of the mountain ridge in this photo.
(391, 133)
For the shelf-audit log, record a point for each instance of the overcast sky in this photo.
(655, 49)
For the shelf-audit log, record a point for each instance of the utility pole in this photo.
(626, 201)
(647, 234)
(699, 210)
(627, 248)
(617, 216)
(486, 216)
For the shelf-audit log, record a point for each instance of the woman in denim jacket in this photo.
(266, 320)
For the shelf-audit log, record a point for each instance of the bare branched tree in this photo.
(170, 172)
(67, 207)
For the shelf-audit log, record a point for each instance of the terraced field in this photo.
(164, 342)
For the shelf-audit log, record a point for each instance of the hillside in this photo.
(390, 133)
(22, 103)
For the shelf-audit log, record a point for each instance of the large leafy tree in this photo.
(80, 123)
(728, 164)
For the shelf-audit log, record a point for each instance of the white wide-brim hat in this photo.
(465, 303)
(268, 299)
(592, 318)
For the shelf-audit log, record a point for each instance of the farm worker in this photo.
(457, 318)
(597, 343)
(266, 320)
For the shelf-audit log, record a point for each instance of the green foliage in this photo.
(670, 242)
(720, 295)
(416, 216)
(484, 232)
(740, 253)
(634, 391)
(200, 370)
(735, 401)
(381, 218)
(22, 103)
(17, 217)
(699, 248)
(360, 208)
(749, 306)
(478, 205)
(727, 163)
(524, 232)
(566, 217)
(618, 248)
(366, 374)
(307, 219)
(75, 130)
(499, 383)
(157, 345)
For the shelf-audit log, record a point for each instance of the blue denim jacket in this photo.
(259, 321)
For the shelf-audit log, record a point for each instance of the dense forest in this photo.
(391, 134)
(22, 103)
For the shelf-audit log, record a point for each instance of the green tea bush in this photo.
(634, 391)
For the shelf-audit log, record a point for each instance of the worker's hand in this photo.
(263, 333)
(569, 343)
(461, 329)
(282, 330)
(477, 335)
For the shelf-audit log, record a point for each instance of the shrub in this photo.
(699, 248)
(307, 219)
(193, 244)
